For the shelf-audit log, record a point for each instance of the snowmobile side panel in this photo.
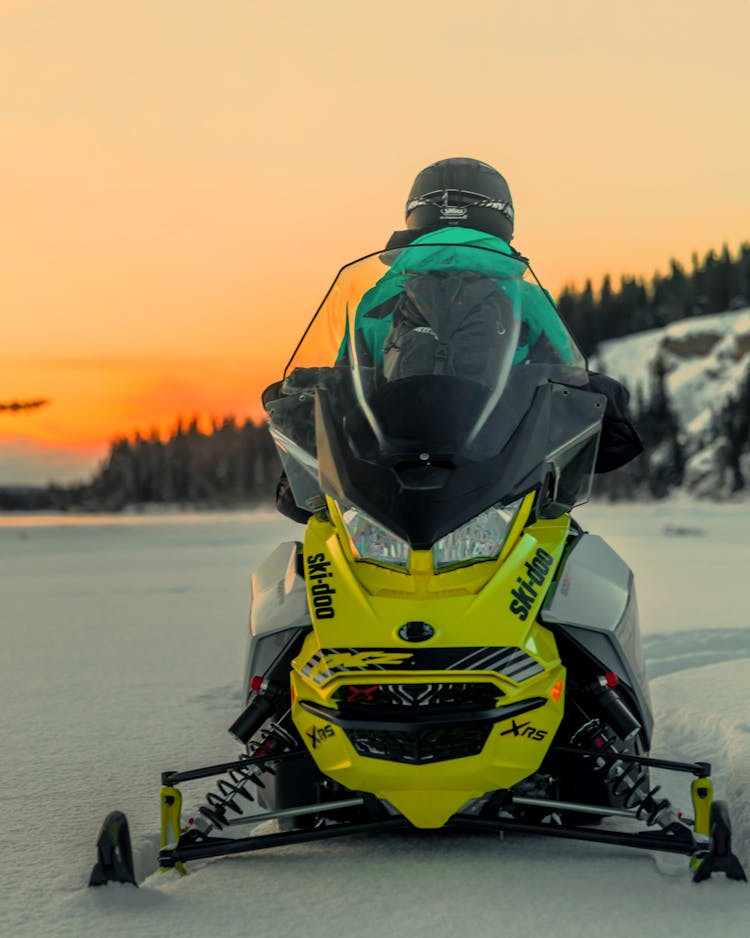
(595, 590)
(278, 613)
(604, 649)
(279, 599)
(269, 654)
(593, 586)
(594, 605)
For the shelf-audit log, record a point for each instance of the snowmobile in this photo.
(447, 647)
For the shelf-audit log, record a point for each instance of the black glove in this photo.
(619, 442)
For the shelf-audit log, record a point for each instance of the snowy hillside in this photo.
(122, 647)
(706, 366)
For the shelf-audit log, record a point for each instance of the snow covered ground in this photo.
(122, 644)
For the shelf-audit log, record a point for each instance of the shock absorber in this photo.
(263, 703)
(609, 703)
(274, 741)
(628, 783)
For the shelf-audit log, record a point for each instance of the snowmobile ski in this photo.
(114, 853)
(718, 856)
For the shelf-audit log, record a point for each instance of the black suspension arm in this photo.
(174, 778)
(699, 769)
(225, 846)
(646, 840)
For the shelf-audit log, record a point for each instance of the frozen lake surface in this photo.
(122, 647)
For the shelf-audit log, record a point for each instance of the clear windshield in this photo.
(430, 353)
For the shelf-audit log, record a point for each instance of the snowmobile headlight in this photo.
(371, 541)
(482, 538)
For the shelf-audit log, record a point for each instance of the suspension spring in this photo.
(627, 782)
(274, 741)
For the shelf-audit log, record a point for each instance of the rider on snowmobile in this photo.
(443, 208)
(462, 201)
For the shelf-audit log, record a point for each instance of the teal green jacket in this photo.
(538, 309)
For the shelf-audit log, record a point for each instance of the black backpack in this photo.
(447, 323)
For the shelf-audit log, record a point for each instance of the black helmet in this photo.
(461, 191)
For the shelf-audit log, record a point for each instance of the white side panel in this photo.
(593, 589)
(279, 596)
(595, 593)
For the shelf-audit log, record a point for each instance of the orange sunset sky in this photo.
(181, 179)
